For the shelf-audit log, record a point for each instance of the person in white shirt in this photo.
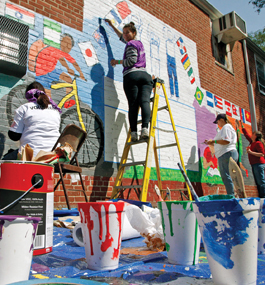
(225, 147)
(35, 123)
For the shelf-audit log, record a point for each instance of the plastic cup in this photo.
(102, 226)
(17, 235)
(181, 232)
(229, 230)
(261, 238)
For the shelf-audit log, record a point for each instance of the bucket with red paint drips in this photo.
(102, 226)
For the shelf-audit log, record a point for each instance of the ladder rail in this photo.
(150, 146)
(176, 137)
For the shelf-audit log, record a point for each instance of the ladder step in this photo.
(163, 130)
(133, 163)
(128, 186)
(163, 108)
(166, 145)
(181, 190)
(138, 142)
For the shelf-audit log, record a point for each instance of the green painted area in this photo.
(174, 175)
(50, 24)
(167, 247)
(51, 43)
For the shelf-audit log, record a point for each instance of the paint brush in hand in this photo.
(158, 193)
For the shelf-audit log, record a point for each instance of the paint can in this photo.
(16, 177)
(261, 239)
(17, 235)
(229, 230)
(181, 232)
(102, 227)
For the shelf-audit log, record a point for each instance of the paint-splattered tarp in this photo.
(68, 260)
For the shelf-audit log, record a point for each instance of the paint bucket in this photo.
(229, 230)
(17, 234)
(261, 239)
(102, 226)
(181, 232)
(16, 177)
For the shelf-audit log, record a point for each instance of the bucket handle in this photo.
(19, 198)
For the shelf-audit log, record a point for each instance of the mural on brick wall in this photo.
(75, 69)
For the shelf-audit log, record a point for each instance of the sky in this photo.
(254, 21)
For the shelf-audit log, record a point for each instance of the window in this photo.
(260, 65)
(13, 47)
(222, 54)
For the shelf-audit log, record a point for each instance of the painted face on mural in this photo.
(128, 35)
(66, 44)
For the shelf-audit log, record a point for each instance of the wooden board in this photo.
(237, 177)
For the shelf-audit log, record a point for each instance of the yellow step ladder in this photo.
(141, 190)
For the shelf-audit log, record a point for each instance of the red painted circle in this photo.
(88, 52)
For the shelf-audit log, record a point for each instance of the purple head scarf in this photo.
(33, 94)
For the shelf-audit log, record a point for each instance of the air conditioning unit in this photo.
(229, 28)
(13, 47)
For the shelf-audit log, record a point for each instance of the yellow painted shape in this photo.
(187, 64)
(40, 276)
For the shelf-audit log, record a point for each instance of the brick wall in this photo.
(100, 188)
(68, 12)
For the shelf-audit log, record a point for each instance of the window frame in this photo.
(258, 59)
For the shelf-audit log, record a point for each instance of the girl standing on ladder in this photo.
(137, 83)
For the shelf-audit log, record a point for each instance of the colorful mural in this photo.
(75, 69)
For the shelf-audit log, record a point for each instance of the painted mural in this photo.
(74, 67)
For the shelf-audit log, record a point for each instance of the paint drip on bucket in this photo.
(102, 227)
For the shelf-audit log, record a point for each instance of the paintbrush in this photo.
(196, 198)
(158, 193)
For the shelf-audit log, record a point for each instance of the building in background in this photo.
(213, 68)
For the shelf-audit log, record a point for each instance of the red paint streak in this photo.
(119, 210)
(108, 239)
(97, 208)
(90, 224)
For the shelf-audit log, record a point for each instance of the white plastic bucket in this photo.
(102, 226)
(181, 232)
(261, 239)
(17, 234)
(229, 230)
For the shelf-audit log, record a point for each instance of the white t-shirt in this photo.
(39, 127)
(227, 133)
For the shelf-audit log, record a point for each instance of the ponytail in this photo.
(43, 101)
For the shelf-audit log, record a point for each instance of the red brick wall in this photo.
(68, 12)
(100, 188)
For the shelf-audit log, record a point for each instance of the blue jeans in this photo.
(258, 173)
(223, 162)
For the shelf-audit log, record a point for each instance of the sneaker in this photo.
(134, 136)
(144, 133)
